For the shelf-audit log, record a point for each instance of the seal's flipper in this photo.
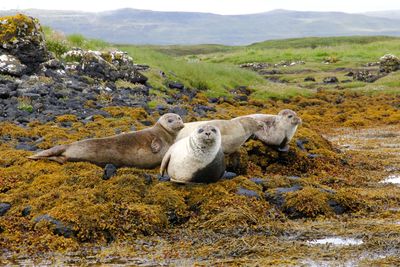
(156, 145)
(165, 162)
(284, 149)
(54, 153)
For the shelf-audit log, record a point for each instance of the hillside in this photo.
(132, 26)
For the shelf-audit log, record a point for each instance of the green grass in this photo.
(214, 68)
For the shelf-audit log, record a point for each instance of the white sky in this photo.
(213, 6)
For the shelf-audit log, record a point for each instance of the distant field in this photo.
(215, 68)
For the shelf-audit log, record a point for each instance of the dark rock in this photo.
(4, 207)
(257, 180)
(313, 156)
(240, 98)
(176, 85)
(330, 80)
(181, 111)
(148, 179)
(26, 147)
(349, 74)
(278, 197)
(164, 178)
(336, 207)
(309, 79)
(366, 76)
(26, 211)
(300, 144)
(213, 100)
(59, 227)
(229, 175)
(241, 90)
(246, 192)
(109, 171)
(146, 123)
(4, 92)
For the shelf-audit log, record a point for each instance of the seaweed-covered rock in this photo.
(59, 228)
(22, 37)
(389, 63)
(365, 76)
(11, 65)
(332, 79)
(109, 66)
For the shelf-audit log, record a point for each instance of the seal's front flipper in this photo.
(156, 145)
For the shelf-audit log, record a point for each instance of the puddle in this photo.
(336, 241)
(392, 179)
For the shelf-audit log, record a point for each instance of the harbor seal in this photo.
(141, 149)
(197, 158)
(234, 132)
(278, 129)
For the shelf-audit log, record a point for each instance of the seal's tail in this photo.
(54, 153)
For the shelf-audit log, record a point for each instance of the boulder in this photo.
(10, 65)
(389, 63)
(107, 66)
(22, 37)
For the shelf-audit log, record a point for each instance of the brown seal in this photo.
(141, 149)
(234, 132)
(278, 129)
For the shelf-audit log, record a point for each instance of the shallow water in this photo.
(392, 179)
(337, 241)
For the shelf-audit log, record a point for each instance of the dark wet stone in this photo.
(66, 124)
(336, 207)
(148, 179)
(4, 207)
(278, 197)
(109, 171)
(246, 192)
(26, 211)
(163, 178)
(213, 100)
(176, 85)
(313, 156)
(257, 180)
(309, 79)
(59, 227)
(300, 143)
(4, 92)
(331, 80)
(179, 110)
(26, 147)
(229, 175)
(146, 123)
(241, 97)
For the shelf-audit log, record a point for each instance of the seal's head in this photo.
(171, 122)
(290, 117)
(206, 135)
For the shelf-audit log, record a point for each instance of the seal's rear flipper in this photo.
(284, 149)
(54, 153)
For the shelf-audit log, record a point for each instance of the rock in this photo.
(10, 65)
(26, 147)
(59, 227)
(107, 66)
(389, 63)
(293, 177)
(300, 144)
(164, 178)
(313, 156)
(278, 197)
(257, 180)
(148, 179)
(176, 85)
(365, 76)
(181, 111)
(4, 207)
(109, 171)
(229, 175)
(246, 192)
(336, 207)
(309, 79)
(329, 80)
(22, 37)
(26, 211)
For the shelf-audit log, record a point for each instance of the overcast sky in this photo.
(213, 6)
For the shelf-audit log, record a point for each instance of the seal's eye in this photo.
(290, 116)
(200, 130)
(213, 130)
(170, 120)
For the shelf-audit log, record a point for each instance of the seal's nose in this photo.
(207, 133)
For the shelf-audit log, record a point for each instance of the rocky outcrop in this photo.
(22, 37)
(389, 63)
(109, 66)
